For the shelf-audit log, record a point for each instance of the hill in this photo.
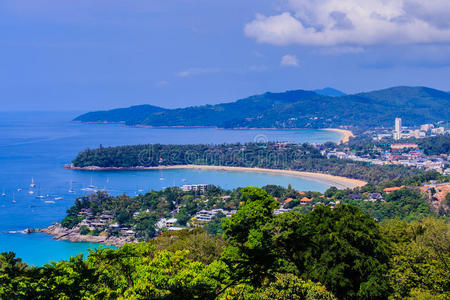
(118, 115)
(295, 109)
(330, 92)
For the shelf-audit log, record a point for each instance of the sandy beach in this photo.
(346, 134)
(337, 181)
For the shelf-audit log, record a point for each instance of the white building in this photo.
(195, 187)
(398, 129)
(207, 215)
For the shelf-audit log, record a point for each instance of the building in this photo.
(281, 211)
(398, 129)
(208, 215)
(195, 187)
(392, 189)
(403, 146)
(439, 130)
(426, 127)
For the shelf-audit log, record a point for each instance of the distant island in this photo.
(327, 108)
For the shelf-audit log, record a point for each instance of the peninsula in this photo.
(285, 158)
(293, 109)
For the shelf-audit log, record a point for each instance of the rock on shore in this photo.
(73, 235)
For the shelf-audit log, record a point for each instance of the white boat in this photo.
(49, 202)
(3, 193)
(71, 190)
(40, 197)
(30, 192)
(32, 184)
(92, 186)
(19, 189)
(59, 198)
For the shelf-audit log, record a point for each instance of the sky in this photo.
(100, 54)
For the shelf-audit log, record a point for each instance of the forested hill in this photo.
(271, 156)
(295, 109)
(126, 115)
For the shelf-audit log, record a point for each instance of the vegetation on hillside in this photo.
(339, 253)
(298, 109)
(271, 155)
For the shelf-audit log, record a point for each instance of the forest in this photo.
(268, 155)
(328, 253)
(295, 109)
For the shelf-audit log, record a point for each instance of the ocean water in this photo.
(37, 145)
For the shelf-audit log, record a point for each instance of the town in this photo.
(399, 147)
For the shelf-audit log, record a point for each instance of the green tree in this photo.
(342, 248)
(249, 253)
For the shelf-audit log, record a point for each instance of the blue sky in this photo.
(85, 55)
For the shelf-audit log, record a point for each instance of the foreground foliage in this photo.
(325, 254)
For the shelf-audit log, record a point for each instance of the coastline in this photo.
(73, 235)
(338, 181)
(346, 134)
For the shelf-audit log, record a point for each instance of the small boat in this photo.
(49, 202)
(92, 186)
(32, 184)
(184, 179)
(14, 199)
(59, 198)
(19, 189)
(30, 192)
(3, 193)
(40, 197)
(161, 178)
(71, 190)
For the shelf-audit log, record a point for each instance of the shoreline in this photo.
(346, 134)
(338, 181)
(73, 235)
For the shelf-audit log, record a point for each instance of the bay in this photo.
(37, 145)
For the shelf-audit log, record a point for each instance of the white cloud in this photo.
(162, 83)
(355, 22)
(289, 60)
(197, 71)
(338, 50)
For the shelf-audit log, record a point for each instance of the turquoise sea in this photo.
(37, 145)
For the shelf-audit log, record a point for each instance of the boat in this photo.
(30, 192)
(92, 186)
(71, 190)
(32, 184)
(3, 193)
(19, 189)
(14, 199)
(184, 179)
(49, 202)
(59, 198)
(40, 197)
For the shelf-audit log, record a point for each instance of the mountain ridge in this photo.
(295, 109)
